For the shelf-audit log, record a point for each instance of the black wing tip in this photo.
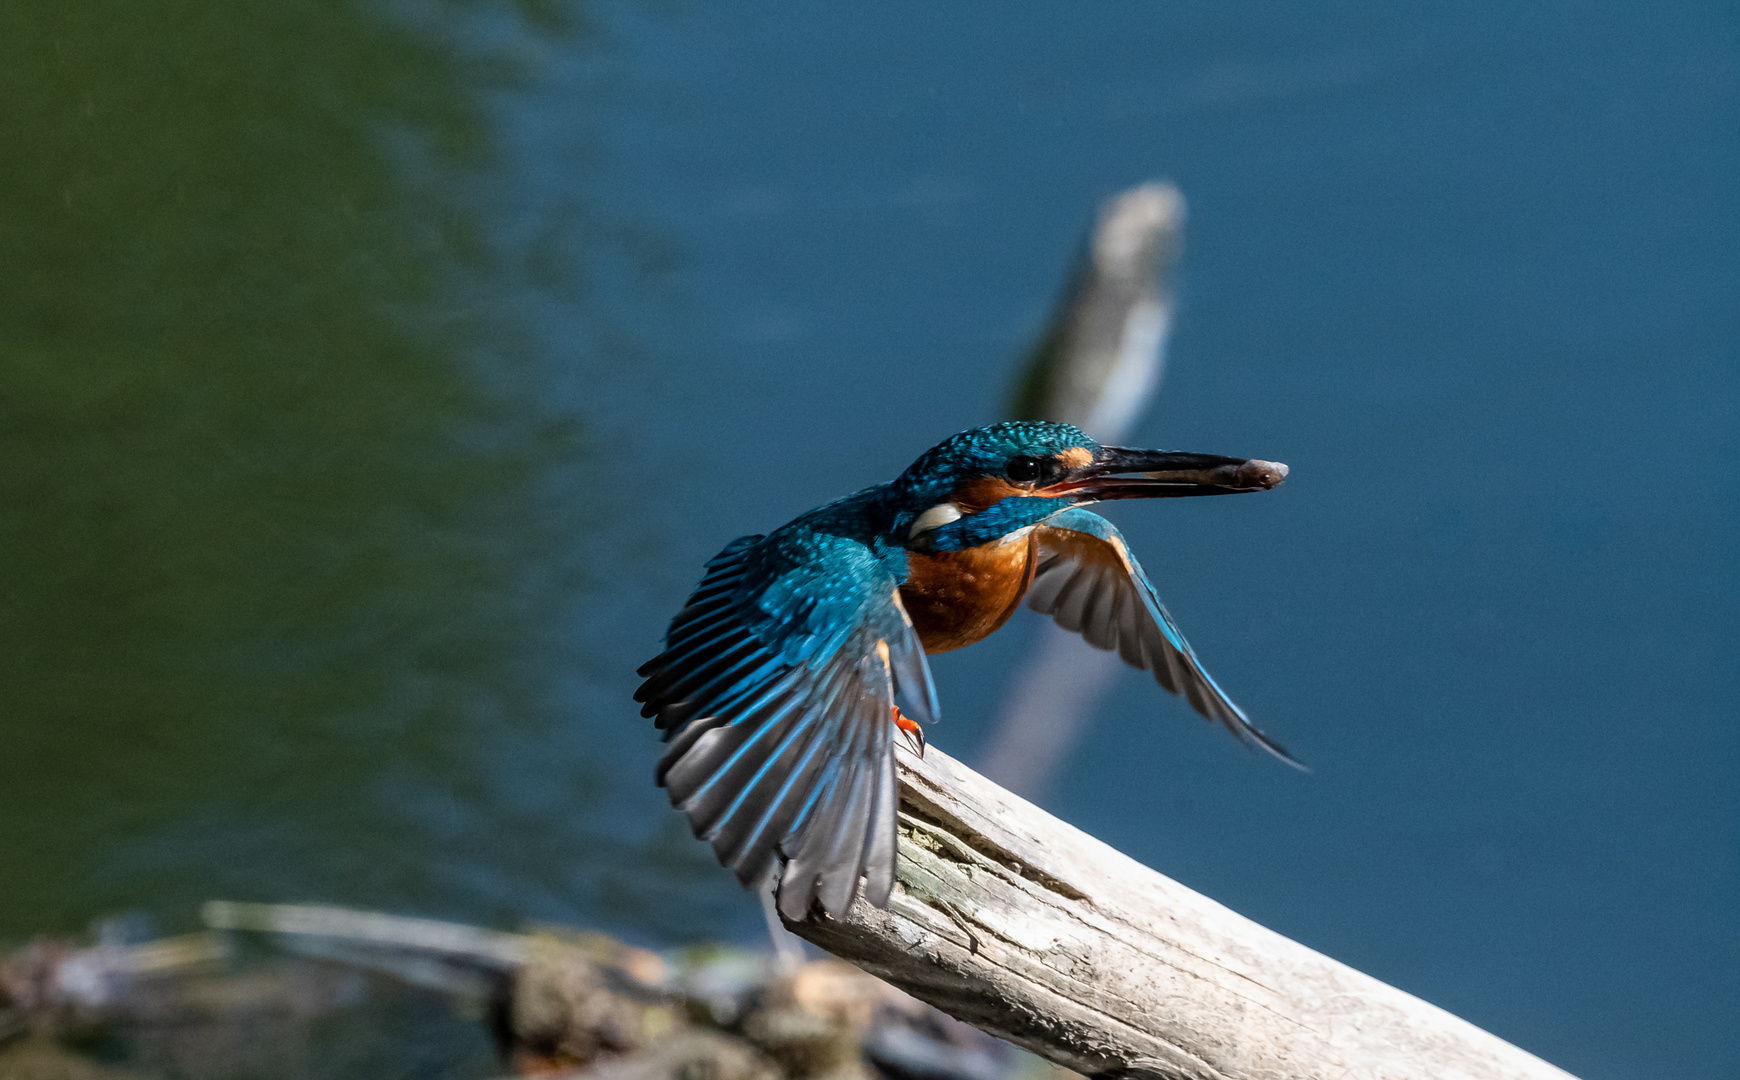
(751, 872)
(796, 903)
(1217, 709)
(801, 903)
(1253, 737)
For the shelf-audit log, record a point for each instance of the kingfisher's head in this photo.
(1057, 465)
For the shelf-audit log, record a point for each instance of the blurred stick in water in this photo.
(1101, 358)
(1097, 367)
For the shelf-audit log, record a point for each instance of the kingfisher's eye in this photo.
(1023, 469)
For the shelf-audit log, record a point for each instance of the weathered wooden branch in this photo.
(1016, 922)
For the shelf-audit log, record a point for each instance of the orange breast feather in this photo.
(958, 597)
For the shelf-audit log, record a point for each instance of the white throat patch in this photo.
(940, 514)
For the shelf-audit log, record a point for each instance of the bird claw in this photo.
(909, 728)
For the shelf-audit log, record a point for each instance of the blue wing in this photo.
(776, 690)
(1087, 580)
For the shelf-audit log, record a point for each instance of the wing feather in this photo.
(1087, 580)
(775, 691)
(879, 836)
(833, 887)
(811, 849)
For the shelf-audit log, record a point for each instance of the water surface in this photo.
(376, 383)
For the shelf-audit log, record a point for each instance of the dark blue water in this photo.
(1470, 270)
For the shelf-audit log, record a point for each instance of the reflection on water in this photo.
(274, 552)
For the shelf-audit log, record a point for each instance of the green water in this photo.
(272, 548)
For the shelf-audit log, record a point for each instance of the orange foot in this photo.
(909, 727)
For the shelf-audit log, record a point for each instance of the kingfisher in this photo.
(801, 653)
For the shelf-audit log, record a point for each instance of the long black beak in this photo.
(1118, 472)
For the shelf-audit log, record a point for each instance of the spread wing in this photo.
(776, 692)
(1087, 580)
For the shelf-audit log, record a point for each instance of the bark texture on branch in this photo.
(1014, 921)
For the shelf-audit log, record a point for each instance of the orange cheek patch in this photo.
(1076, 457)
(975, 495)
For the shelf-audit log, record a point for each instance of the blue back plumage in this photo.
(813, 578)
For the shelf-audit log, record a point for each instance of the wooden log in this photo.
(1022, 925)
